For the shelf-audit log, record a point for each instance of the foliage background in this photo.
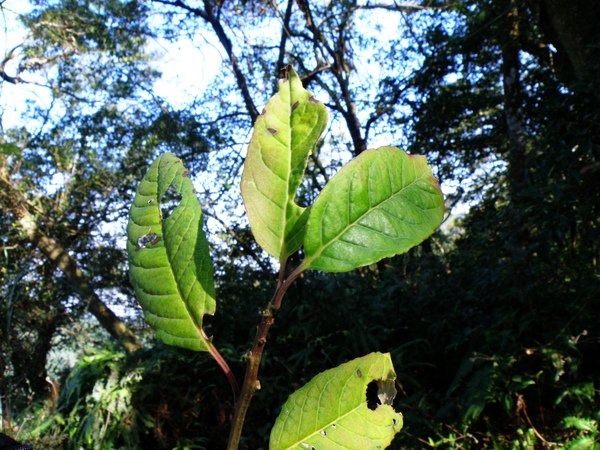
(492, 323)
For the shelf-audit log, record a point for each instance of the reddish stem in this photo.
(225, 368)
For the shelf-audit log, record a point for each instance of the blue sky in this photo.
(187, 67)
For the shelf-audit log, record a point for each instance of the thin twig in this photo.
(522, 407)
(244, 245)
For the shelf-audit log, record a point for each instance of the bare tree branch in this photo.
(6, 77)
(244, 245)
(405, 7)
(381, 111)
(227, 45)
(179, 4)
(340, 71)
(21, 207)
(208, 14)
(285, 33)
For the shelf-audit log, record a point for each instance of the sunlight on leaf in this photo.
(284, 135)
(170, 266)
(334, 411)
(380, 204)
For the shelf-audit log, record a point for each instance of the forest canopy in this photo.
(492, 324)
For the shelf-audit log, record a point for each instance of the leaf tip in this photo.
(288, 73)
(285, 72)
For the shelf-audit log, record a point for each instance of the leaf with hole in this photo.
(284, 135)
(170, 266)
(380, 204)
(345, 408)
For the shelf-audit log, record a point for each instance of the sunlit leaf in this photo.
(170, 266)
(380, 204)
(332, 412)
(582, 443)
(581, 423)
(284, 135)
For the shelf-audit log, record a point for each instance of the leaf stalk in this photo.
(235, 389)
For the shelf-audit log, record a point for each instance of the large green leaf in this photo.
(332, 412)
(380, 204)
(170, 266)
(284, 135)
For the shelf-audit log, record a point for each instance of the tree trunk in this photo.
(59, 256)
(67, 264)
(517, 245)
(572, 27)
(29, 358)
(513, 98)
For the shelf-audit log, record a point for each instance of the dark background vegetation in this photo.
(493, 323)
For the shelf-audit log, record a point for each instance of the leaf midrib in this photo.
(185, 303)
(309, 260)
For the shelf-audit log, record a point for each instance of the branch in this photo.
(285, 32)
(405, 7)
(179, 4)
(228, 46)
(14, 201)
(251, 383)
(382, 111)
(209, 16)
(6, 77)
(312, 75)
(244, 245)
(339, 71)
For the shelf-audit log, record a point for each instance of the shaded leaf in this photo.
(581, 423)
(332, 410)
(170, 266)
(284, 135)
(380, 204)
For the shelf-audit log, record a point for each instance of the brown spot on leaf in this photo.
(273, 131)
(312, 99)
(295, 105)
(147, 239)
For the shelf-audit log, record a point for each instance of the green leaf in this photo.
(380, 204)
(581, 424)
(8, 148)
(284, 135)
(170, 266)
(582, 443)
(331, 411)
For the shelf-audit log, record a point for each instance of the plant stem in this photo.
(251, 383)
(225, 368)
